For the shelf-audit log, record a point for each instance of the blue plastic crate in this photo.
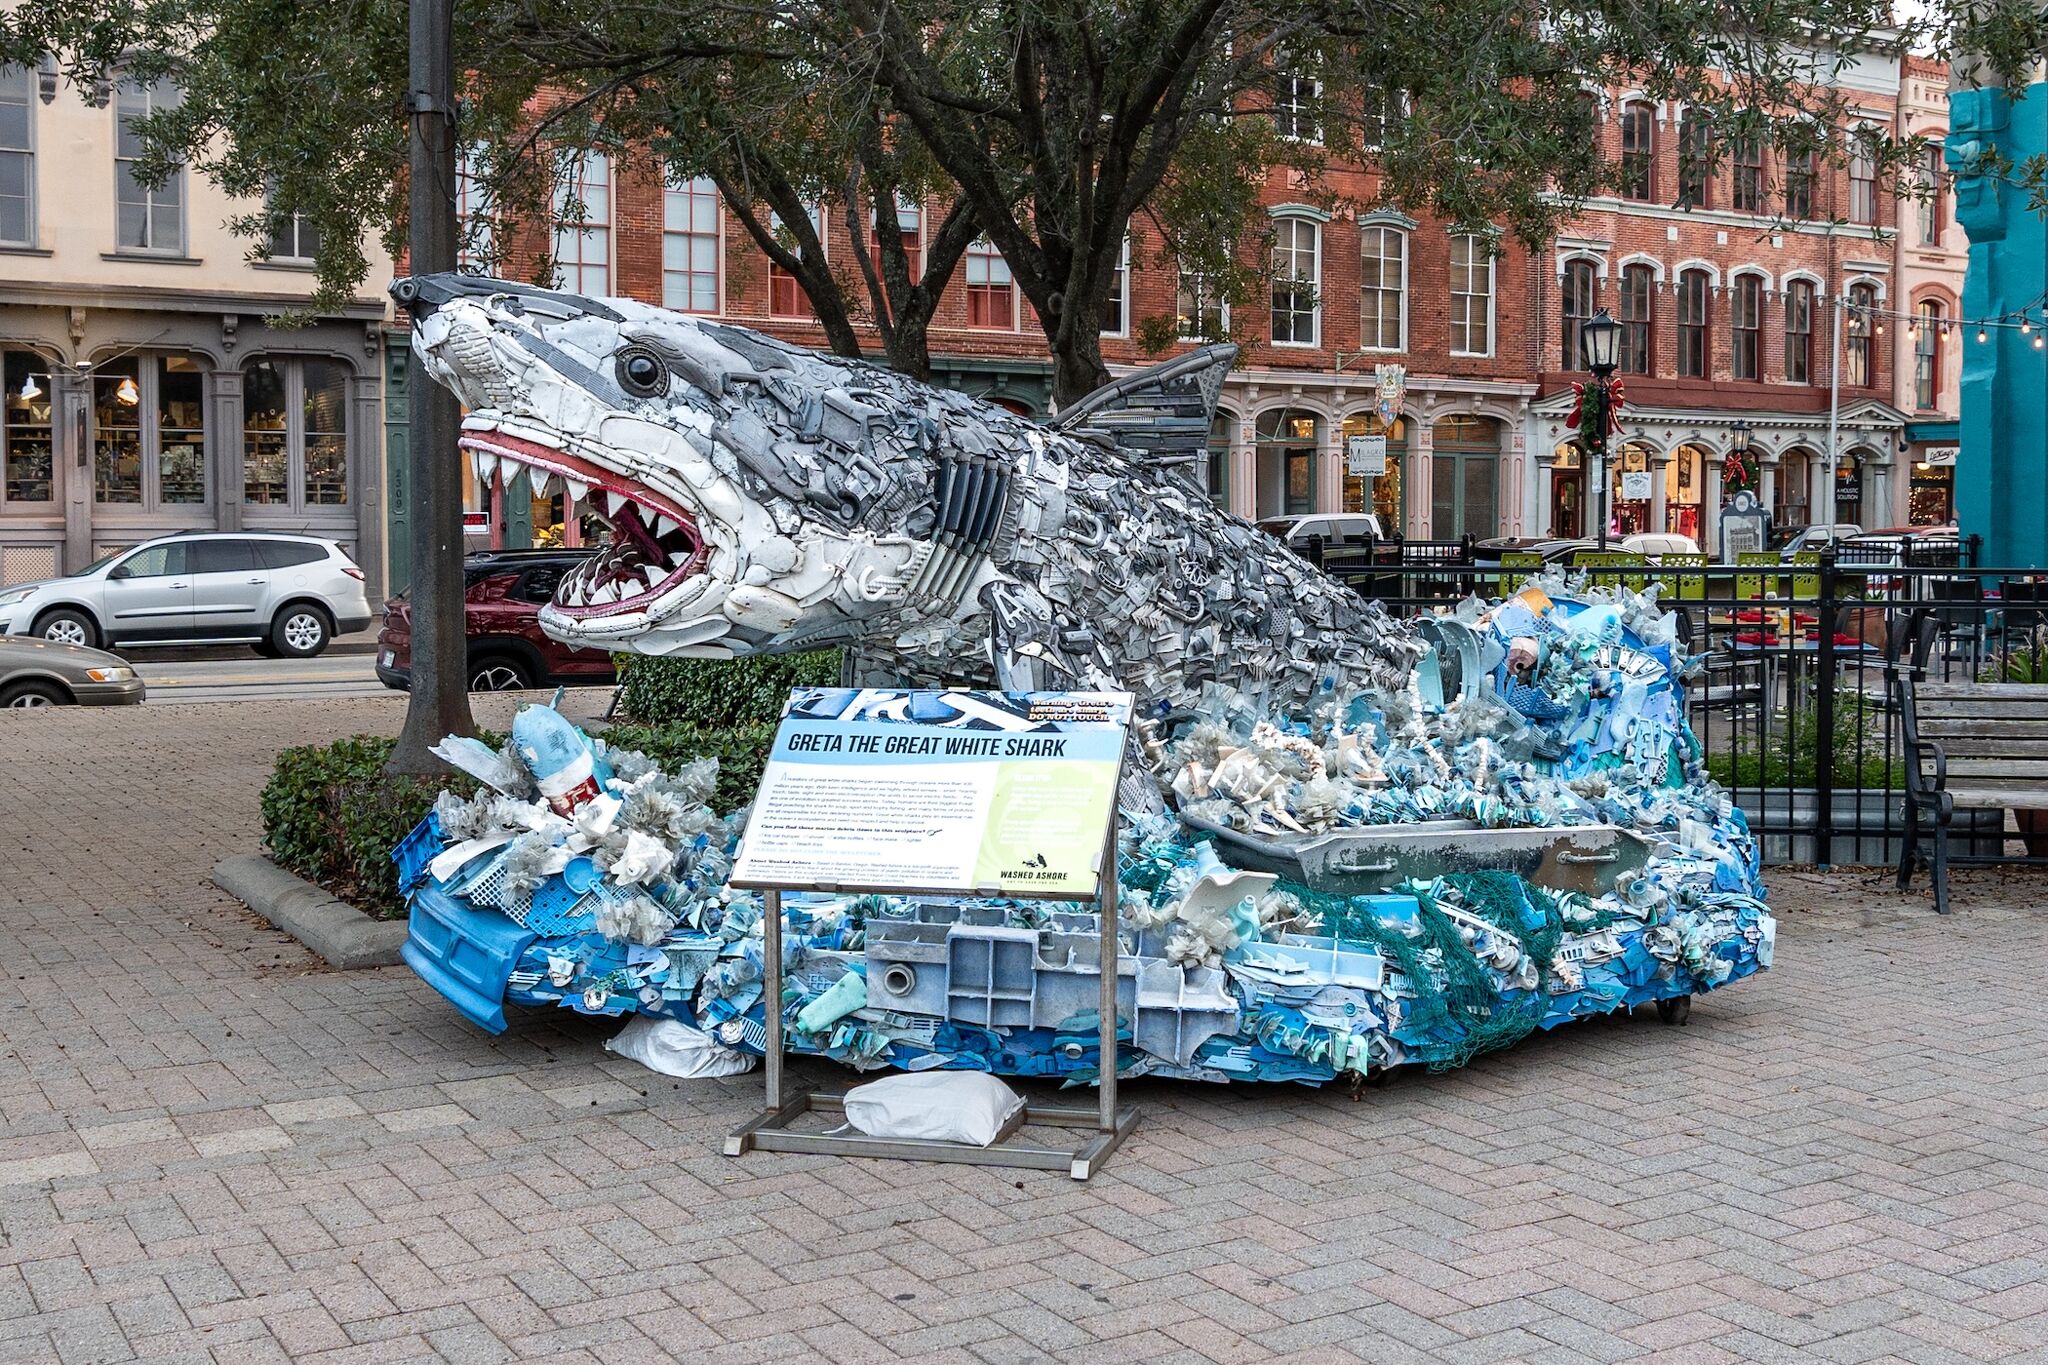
(415, 851)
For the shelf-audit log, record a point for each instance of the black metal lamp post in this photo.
(1600, 345)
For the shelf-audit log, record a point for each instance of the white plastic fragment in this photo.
(935, 1106)
(675, 1049)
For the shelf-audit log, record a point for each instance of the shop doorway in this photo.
(1287, 441)
(1567, 494)
(1464, 494)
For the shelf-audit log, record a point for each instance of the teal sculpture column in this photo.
(2002, 467)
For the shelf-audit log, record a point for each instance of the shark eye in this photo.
(641, 373)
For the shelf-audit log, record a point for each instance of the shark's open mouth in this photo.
(655, 544)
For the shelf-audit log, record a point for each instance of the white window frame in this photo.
(150, 97)
(1121, 293)
(984, 251)
(816, 213)
(1400, 235)
(688, 194)
(1294, 111)
(1291, 225)
(573, 272)
(906, 212)
(476, 226)
(298, 229)
(32, 229)
(1204, 289)
(1478, 239)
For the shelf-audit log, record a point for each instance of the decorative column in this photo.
(1660, 497)
(1539, 520)
(1877, 485)
(1820, 498)
(71, 450)
(1421, 471)
(1767, 482)
(1328, 493)
(1710, 506)
(224, 451)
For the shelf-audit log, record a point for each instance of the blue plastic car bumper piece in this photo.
(467, 955)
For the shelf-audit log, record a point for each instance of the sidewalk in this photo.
(212, 1148)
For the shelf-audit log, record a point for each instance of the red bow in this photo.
(1615, 399)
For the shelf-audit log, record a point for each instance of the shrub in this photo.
(719, 694)
(332, 815)
(1789, 757)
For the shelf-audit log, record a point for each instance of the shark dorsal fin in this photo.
(1159, 416)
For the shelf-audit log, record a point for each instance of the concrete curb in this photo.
(339, 932)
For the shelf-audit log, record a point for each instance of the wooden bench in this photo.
(1968, 746)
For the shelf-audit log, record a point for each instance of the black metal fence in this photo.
(1792, 693)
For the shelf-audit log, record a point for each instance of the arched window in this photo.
(1862, 177)
(1578, 294)
(295, 432)
(1382, 289)
(1746, 312)
(1856, 328)
(1694, 162)
(1695, 335)
(1638, 338)
(1288, 439)
(1297, 281)
(28, 450)
(1638, 151)
(1927, 355)
(1799, 332)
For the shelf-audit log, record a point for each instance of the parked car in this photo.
(1333, 528)
(1808, 539)
(1654, 545)
(35, 673)
(502, 593)
(284, 594)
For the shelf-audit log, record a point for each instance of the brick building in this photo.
(1731, 285)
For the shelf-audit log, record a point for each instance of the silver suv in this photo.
(283, 594)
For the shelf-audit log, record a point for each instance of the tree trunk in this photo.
(909, 348)
(1077, 368)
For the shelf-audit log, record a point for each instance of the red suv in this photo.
(502, 594)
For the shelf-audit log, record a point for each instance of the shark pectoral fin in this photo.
(1022, 640)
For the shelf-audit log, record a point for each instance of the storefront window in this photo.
(1849, 490)
(1464, 494)
(1567, 492)
(30, 462)
(1217, 475)
(1287, 445)
(295, 432)
(1379, 494)
(1682, 491)
(1631, 515)
(149, 431)
(1932, 496)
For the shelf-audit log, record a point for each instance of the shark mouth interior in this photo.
(655, 545)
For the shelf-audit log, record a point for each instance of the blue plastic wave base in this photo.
(467, 955)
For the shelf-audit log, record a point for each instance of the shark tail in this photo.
(1159, 416)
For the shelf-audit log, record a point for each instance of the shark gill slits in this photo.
(641, 372)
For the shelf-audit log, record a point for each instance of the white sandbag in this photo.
(940, 1106)
(675, 1049)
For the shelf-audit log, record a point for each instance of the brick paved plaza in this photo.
(212, 1149)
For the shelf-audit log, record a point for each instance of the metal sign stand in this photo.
(769, 1131)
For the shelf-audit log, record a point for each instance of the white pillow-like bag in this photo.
(675, 1049)
(938, 1106)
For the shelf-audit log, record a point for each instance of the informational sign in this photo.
(1743, 527)
(1365, 456)
(957, 792)
(476, 523)
(1635, 485)
(1940, 456)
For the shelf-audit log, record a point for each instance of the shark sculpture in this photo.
(764, 498)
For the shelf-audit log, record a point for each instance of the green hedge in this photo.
(719, 694)
(332, 815)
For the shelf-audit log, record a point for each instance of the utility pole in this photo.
(438, 704)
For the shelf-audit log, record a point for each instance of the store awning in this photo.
(1948, 431)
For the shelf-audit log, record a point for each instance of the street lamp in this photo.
(1600, 345)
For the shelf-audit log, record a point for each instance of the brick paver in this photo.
(213, 1149)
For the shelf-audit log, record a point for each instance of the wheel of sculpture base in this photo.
(1674, 1010)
